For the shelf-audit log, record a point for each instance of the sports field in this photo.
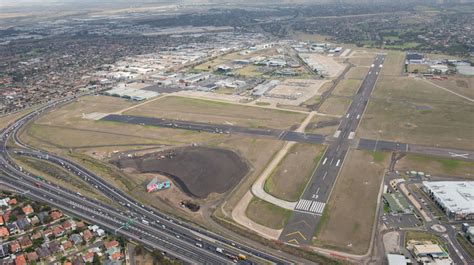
(348, 219)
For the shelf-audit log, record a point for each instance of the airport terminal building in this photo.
(455, 198)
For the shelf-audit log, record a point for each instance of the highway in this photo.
(149, 227)
(309, 209)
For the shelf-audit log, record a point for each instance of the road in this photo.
(309, 209)
(144, 225)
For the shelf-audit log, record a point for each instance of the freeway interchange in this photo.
(135, 221)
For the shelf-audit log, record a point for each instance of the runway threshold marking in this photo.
(296, 233)
(338, 161)
(293, 241)
(324, 161)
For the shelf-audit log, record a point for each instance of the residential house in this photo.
(67, 245)
(55, 215)
(4, 232)
(15, 246)
(87, 235)
(25, 242)
(4, 250)
(58, 231)
(20, 260)
(28, 210)
(54, 247)
(43, 252)
(32, 257)
(23, 223)
(76, 239)
(88, 257)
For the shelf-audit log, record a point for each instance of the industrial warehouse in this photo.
(455, 198)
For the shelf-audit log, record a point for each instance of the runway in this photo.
(310, 207)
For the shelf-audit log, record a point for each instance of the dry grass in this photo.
(357, 73)
(217, 112)
(323, 125)
(413, 111)
(258, 152)
(335, 105)
(443, 124)
(436, 166)
(291, 176)
(393, 64)
(267, 214)
(459, 84)
(349, 216)
(347, 87)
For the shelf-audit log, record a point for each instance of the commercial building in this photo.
(396, 259)
(455, 198)
(133, 94)
(431, 254)
(413, 58)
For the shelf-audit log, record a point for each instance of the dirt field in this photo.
(459, 84)
(199, 171)
(267, 214)
(291, 176)
(218, 112)
(347, 87)
(323, 125)
(357, 73)
(436, 166)
(335, 105)
(342, 227)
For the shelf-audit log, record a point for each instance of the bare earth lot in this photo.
(349, 216)
(199, 171)
(217, 112)
(289, 179)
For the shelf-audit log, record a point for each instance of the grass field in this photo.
(348, 220)
(217, 112)
(347, 87)
(289, 179)
(335, 105)
(393, 64)
(364, 61)
(323, 125)
(357, 73)
(459, 84)
(436, 166)
(434, 124)
(267, 214)
(422, 236)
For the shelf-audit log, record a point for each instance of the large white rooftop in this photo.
(455, 196)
